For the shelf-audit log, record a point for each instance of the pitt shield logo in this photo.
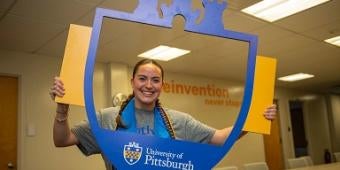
(132, 153)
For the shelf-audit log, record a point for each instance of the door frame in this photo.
(280, 146)
(20, 119)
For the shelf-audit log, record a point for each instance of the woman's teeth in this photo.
(147, 93)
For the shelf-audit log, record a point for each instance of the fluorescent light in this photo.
(273, 10)
(308, 97)
(236, 89)
(296, 77)
(334, 41)
(164, 53)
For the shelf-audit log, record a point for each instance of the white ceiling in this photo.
(40, 27)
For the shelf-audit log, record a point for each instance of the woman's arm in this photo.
(221, 135)
(62, 135)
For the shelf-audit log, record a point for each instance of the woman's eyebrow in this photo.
(142, 75)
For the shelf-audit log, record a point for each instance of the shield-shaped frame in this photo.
(202, 156)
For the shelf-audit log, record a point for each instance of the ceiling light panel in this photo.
(334, 41)
(164, 53)
(273, 10)
(296, 77)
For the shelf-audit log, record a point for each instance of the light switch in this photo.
(31, 131)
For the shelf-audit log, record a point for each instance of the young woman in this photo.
(140, 113)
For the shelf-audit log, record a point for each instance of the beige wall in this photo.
(334, 108)
(36, 109)
(317, 128)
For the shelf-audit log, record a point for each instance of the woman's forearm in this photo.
(62, 135)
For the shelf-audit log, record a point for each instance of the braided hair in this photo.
(119, 121)
(164, 116)
(166, 120)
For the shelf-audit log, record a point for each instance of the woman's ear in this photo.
(131, 82)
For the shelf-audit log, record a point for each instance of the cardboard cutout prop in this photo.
(128, 150)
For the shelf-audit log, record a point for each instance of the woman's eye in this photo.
(156, 80)
(142, 78)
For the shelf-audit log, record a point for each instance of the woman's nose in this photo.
(149, 84)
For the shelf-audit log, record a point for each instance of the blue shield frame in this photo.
(193, 155)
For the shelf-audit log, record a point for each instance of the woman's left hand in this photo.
(270, 112)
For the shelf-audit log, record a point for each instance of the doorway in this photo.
(298, 128)
(273, 144)
(8, 126)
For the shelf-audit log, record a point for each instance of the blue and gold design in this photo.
(132, 153)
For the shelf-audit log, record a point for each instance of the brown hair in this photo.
(164, 116)
(147, 61)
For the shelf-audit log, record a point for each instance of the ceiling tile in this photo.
(313, 17)
(238, 5)
(56, 46)
(93, 2)
(190, 41)
(324, 32)
(21, 34)
(269, 37)
(60, 12)
(87, 19)
(5, 4)
(138, 32)
(292, 42)
(240, 22)
(318, 58)
(121, 5)
(271, 33)
(120, 50)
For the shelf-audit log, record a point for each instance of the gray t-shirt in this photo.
(145, 123)
(185, 127)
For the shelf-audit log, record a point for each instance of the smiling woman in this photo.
(140, 113)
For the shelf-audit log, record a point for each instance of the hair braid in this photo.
(166, 120)
(119, 121)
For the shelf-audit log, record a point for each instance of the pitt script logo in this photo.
(154, 157)
(132, 153)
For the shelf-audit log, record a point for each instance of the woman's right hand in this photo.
(57, 89)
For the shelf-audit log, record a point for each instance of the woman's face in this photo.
(147, 84)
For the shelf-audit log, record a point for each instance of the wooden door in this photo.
(8, 125)
(273, 145)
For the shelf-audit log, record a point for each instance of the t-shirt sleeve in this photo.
(82, 131)
(197, 131)
(87, 143)
(188, 128)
